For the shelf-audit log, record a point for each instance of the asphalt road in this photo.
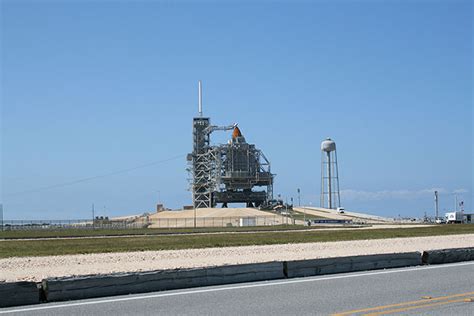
(430, 290)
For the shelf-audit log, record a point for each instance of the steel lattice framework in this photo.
(226, 173)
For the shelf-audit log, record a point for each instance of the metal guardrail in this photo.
(66, 224)
(234, 221)
(331, 221)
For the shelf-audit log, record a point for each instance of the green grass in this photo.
(21, 248)
(55, 233)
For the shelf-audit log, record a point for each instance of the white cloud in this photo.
(392, 194)
(460, 191)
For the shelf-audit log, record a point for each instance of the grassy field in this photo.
(56, 233)
(22, 248)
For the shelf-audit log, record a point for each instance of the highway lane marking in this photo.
(404, 309)
(302, 280)
(423, 301)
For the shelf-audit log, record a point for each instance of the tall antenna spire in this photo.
(200, 98)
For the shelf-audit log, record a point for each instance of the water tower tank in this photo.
(330, 195)
(328, 145)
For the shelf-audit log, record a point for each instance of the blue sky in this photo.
(93, 87)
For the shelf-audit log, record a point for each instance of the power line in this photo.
(59, 185)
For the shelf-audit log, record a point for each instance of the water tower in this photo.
(330, 197)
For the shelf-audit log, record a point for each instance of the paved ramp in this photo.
(321, 213)
(333, 214)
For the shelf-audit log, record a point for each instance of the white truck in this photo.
(341, 210)
(454, 217)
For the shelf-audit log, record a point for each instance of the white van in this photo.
(340, 210)
(440, 220)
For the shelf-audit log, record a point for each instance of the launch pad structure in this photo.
(226, 173)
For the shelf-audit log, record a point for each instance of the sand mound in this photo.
(212, 212)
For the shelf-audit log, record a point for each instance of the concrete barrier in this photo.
(18, 293)
(448, 255)
(304, 268)
(59, 289)
(70, 288)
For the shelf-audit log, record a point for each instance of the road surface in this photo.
(429, 290)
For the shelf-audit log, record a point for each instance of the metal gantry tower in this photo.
(226, 173)
(200, 163)
(330, 195)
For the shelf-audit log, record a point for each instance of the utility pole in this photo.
(93, 216)
(292, 219)
(436, 205)
(299, 197)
